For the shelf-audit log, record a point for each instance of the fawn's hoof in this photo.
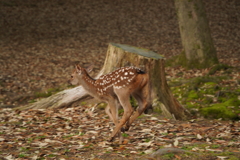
(125, 128)
(111, 139)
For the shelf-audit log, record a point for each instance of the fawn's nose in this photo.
(69, 82)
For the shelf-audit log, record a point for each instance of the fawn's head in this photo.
(78, 72)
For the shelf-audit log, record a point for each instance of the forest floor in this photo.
(82, 133)
(41, 41)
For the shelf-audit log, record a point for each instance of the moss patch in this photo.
(206, 97)
(133, 102)
(219, 111)
(219, 67)
(192, 95)
(205, 80)
(232, 102)
(102, 106)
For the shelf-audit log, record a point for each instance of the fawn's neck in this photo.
(89, 84)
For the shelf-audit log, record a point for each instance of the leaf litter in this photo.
(71, 133)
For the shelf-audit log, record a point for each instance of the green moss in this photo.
(218, 67)
(192, 95)
(209, 88)
(207, 100)
(177, 81)
(53, 90)
(222, 99)
(120, 112)
(42, 94)
(83, 103)
(193, 106)
(51, 155)
(157, 110)
(232, 102)
(210, 84)
(168, 156)
(125, 135)
(208, 97)
(102, 106)
(205, 80)
(141, 116)
(228, 94)
(157, 106)
(22, 155)
(233, 158)
(219, 111)
(133, 102)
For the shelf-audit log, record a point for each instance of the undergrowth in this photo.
(208, 96)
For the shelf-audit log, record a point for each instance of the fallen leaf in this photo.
(222, 157)
(146, 144)
(175, 143)
(133, 152)
(148, 151)
(214, 150)
(199, 136)
(146, 130)
(178, 157)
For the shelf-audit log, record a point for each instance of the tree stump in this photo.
(119, 55)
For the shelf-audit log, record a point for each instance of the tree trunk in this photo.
(123, 55)
(195, 34)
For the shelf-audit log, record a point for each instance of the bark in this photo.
(163, 94)
(123, 55)
(195, 34)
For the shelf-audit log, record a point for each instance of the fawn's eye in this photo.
(71, 76)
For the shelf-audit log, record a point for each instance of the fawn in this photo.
(115, 89)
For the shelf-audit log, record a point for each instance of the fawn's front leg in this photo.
(112, 111)
(124, 101)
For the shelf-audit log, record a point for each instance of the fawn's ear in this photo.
(89, 69)
(78, 68)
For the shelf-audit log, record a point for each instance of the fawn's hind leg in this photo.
(142, 98)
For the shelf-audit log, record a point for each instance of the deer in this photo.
(115, 89)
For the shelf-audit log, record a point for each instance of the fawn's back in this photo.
(119, 79)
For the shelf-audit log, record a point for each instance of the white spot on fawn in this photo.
(131, 73)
